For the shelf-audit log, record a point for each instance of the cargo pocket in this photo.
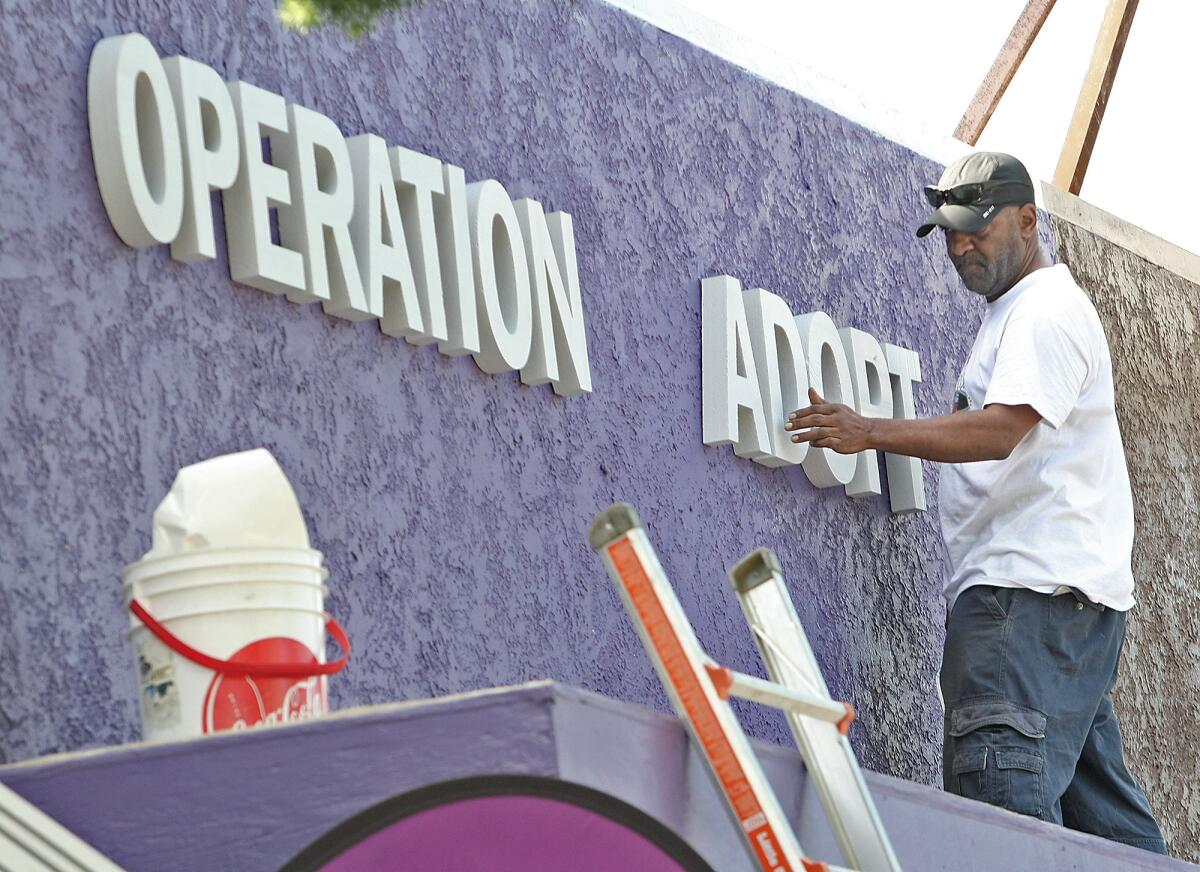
(998, 756)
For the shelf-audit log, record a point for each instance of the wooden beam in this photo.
(1093, 95)
(1004, 67)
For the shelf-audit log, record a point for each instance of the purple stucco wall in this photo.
(451, 505)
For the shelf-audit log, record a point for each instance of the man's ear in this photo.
(1027, 220)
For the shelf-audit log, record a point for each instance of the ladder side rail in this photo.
(828, 754)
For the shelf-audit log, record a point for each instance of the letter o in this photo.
(135, 140)
(829, 374)
(503, 296)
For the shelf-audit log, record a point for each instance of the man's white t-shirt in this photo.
(1058, 511)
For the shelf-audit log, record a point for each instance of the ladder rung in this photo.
(729, 683)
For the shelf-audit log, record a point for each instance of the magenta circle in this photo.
(500, 824)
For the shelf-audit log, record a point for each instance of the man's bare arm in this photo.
(988, 434)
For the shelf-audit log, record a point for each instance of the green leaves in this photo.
(356, 17)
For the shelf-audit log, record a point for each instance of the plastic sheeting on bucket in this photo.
(241, 500)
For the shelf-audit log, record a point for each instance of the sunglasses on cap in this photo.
(975, 193)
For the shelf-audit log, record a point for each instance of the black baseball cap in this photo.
(972, 190)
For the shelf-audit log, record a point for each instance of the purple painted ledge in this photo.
(250, 801)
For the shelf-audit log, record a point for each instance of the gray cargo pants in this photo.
(1027, 680)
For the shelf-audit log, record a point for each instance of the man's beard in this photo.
(988, 278)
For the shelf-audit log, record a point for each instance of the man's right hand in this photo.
(831, 425)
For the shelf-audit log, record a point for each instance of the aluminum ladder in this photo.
(700, 690)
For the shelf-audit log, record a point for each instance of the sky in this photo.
(926, 58)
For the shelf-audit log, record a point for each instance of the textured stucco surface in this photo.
(452, 505)
(1152, 319)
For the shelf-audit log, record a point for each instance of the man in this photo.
(1037, 519)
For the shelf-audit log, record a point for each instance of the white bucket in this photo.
(254, 606)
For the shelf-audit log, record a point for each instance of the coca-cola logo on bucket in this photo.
(236, 702)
